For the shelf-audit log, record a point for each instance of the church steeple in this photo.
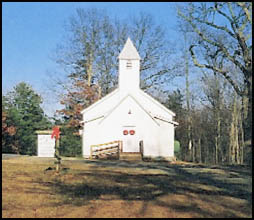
(129, 68)
(129, 52)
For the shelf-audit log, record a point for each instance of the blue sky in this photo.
(31, 31)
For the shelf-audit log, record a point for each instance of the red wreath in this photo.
(132, 132)
(125, 132)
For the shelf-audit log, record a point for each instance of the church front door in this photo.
(130, 139)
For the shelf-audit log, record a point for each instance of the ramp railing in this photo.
(106, 149)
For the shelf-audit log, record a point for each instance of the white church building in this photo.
(130, 115)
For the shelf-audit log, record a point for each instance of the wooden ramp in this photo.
(114, 150)
(106, 150)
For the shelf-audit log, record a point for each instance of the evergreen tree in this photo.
(9, 142)
(174, 102)
(70, 142)
(24, 112)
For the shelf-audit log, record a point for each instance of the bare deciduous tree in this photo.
(224, 32)
(90, 55)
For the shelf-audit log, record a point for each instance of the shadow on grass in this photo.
(114, 184)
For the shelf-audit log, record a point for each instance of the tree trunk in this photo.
(188, 99)
(218, 120)
(99, 92)
(199, 148)
(246, 118)
(234, 134)
(89, 72)
(242, 144)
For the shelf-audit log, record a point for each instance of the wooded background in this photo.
(213, 63)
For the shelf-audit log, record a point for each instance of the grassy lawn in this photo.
(96, 188)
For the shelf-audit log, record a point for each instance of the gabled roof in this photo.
(129, 95)
(100, 101)
(138, 98)
(129, 52)
(166, 120)
(156, 102)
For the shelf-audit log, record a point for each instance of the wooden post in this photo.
(57, 155)
(56, 135)
(91, 152)
(141, 148)
(119, 149)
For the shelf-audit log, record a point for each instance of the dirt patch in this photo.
(94, 188)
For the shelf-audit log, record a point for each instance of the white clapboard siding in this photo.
(46, 145)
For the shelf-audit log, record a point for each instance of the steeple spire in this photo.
(129, 52)
(129, 68)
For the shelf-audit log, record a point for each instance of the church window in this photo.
(128, 64)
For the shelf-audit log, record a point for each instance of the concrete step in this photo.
(130, 156)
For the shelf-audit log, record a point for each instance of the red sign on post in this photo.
(56, 132)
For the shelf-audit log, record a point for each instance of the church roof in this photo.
(113, 99)
(129, 52)
(139, 104)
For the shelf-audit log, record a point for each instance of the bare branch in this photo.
(222, 13)
(217, 27)
(216, 43)
(247, 12)
(215, 69)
